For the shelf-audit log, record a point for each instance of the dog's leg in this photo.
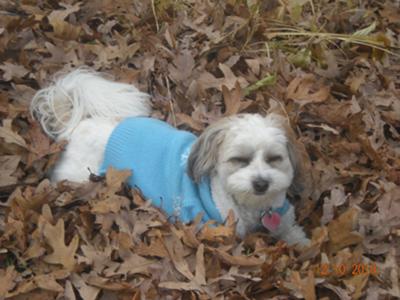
(84, 151)
(291, 232)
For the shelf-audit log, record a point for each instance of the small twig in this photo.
(268, 50)
(153, 8)
(312, 7)
(354, 39)
(171, 104)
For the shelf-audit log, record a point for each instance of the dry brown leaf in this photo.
(197, 282)
(341, 230)
(340, 292)
(216, 233)
(63, 29)
(35, 250)
(97, 258)
(185, 119)
(301, 89)
(175, 251)
(23, 288)
(170, 38)
(87, 292)
(62, 254)
(8, 166)
(8, 280)
(126, 49)
(107, 284)
(230, 79)
(34, 200)
(219, 233)
(254, 65)
(319, 236)
(355, 81)
(337, 198)
(13, 71)
(304, 287)
(69, 291)
(112, 203)
(356, 284)
(155, 248)
(200, 273)
(391, 265)
(189, 237)
(208, 80)
(11, 136)
(115, 178)
(176, 285)
(182, 67)
(40, 145)
(233, 104)
(48, 281)
(15, 229)
(237, 260)
(134, 264)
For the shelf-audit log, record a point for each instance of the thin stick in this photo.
(171, 104)
(153, 8)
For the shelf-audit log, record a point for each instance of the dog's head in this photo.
(251, 155)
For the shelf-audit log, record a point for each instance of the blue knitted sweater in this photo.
(157, 154)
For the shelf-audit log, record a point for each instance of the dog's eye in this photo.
(274, 158)
(240, 160)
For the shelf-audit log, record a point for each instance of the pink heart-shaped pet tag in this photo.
(271, 221)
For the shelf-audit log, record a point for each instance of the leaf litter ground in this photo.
(330, 67)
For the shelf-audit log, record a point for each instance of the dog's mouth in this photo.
(259, 193)
(251, 200)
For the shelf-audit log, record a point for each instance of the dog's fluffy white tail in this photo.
(85, 94)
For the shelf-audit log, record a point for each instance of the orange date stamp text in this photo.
(322, 270)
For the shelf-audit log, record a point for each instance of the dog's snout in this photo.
(260, 185)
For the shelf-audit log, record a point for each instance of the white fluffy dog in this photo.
(245, 162)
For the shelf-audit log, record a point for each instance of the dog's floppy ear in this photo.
(204, 153)
(293, 151)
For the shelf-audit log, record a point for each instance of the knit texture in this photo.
(157, 154)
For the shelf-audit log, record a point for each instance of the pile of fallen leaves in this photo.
(331, 67)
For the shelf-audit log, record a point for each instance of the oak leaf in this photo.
(303, 89)
(237, 260)
(232, 99)
(86, 291)
(10, 136)
(62, 254)
(115, 178)
(7, 281)
(341, 232)
(304, 287)
(8, 166)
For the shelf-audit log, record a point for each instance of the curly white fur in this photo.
(84, 94)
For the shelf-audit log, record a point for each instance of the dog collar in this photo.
(271, 218)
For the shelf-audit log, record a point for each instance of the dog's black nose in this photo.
(260, 185)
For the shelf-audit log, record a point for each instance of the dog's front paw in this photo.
(305, 242)
(296, 236)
